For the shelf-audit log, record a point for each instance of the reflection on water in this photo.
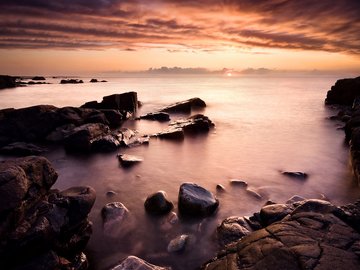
(263, 126)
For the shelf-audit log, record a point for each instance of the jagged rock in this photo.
(184, 106)
(114, 117)
(253, 193)
(232, 229)
(298, 175)
(156, 116)
(115, 216)
(7, 82)
(178, 244)
(158, 203)
(196, 201)
(38, 78)
(130, 138)
(128, 160)
(135, 263)
(21, 149)
(71, 81)
(60, 133)
(344, 92)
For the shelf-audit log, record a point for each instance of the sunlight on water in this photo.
(263, 126)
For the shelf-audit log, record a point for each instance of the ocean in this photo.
(263, 125)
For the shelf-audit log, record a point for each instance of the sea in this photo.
(264, 125)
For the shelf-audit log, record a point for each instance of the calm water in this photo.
(263, 126)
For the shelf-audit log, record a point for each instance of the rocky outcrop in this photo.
(185, 106)
(344, 92)
(41, 228)
(195, 200)
(94, 81)
(135, 263)
(297, 175)
(7, 82)
(311, 234)
(71, 81)
(122, 102)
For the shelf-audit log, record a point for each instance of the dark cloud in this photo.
(206, 25)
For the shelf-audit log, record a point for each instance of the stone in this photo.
(22, 149)
(111, 193)
(38, 78)
(184, 106)
(156, 116)
(94, 81)
(232, 229)
(178, 244)
(115, 217)
(344, 92)
(274, 212)
(297, 175)
(60, 133)
(135, 263)
(158, 203)
(129, 160)
(295, 199)
(71, 81)
(195, 200)
(238, 183)
(107, 143)
(7, 82)
(172, 134)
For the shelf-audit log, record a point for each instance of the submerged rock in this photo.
(158, 203)
(129, 160)
(178, 244)
(114, 216)
(71, 81)
(232, 229)
(298, 175)
(184, 106)
(274, 212)
(135, 263)
(156, 116)
(22, 149)
(195, 200)
(38, 78)
(238, 183)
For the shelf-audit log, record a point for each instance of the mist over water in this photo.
(263, 125)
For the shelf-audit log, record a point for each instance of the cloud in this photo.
(209, 25)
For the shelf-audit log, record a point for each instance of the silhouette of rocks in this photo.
(71, 81)
(185, 106)
(21, 149)
(7, 82)
(344, 92)
(158, 203)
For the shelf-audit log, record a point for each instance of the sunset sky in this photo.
(88, 36)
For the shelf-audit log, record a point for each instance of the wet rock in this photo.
(82, 137)
(135, 263)
(220, 188)
(194, 124)
(156, 116)
(130, 138)
(238, 183)
(60, 133)
(71, 81)
(297, 175)
(115, 215)
(232, 229)
(178, 244)
(274, 212)
(253, 193)
(158, 203)
(195, 200)
(38, 78)
(103, 80)
(94, 81)
(107, 143)
(7, 82)
(129, 160)
(184, 106)
(344, 92)
(295, 199)
(22, 149)
(172, 134)
(114, 117)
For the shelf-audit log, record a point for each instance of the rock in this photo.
(130, 138)
(158, 203)
(82, 137)
(122, 102)
(184, 106)
(254, 193)
(295, 199)
(135, 263)
(38, 78)
(129, 160)
(7, 82)
(21, 149)
(94, 81)
(232, 229)
(114, 117)
(220, 188)
(195, 200)
(103, 80)
(178, 244)
(274, 212)
(298, 175)
(110, 193)
(115, 216)
(156, 116)
(71, 81)
(344, 92)
(107, 143)
(60, 133)
(172, 134)
(239, 183)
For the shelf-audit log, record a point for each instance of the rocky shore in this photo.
(42, 228)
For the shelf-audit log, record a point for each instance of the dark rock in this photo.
(298, 175)
(274, 212)
(178, 244)
(38, 78)
(107, 143)
(60, 133)
(7, 82)
(253, 193)
(110, 193)
(82, 138)
(172, 134)
(158, 203)
(94, 81)
(135, 263)
(103, 80)
(184, 106)
(220, 188)
(130, 138)
(129, 160)
(195, 200)
(114, 117)
(21, 149)
(114, 216)
(232, 229)
(239, 183)
(71, 81)
(156, 116)
(344, 92)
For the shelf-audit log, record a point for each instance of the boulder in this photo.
(195, 200)
(344, 92)
(21, 149)
(178, 244)
(71, 81)
(7, 82)
(107, 143)
(158, 203)
(129, 160)
(135, 263)
(115, 215)
(232, 229)
(38, 78)
(156, 116)
(184, 106)
(114, 117)
(171, 133)
(274, 212)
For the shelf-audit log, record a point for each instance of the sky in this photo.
(91, 36)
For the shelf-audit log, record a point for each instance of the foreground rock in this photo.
(313, 235)
(196, 201)
(41, 228)
(344, 92)
(135, 263)
(185, 106)
(158, 203)
(7, 82)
